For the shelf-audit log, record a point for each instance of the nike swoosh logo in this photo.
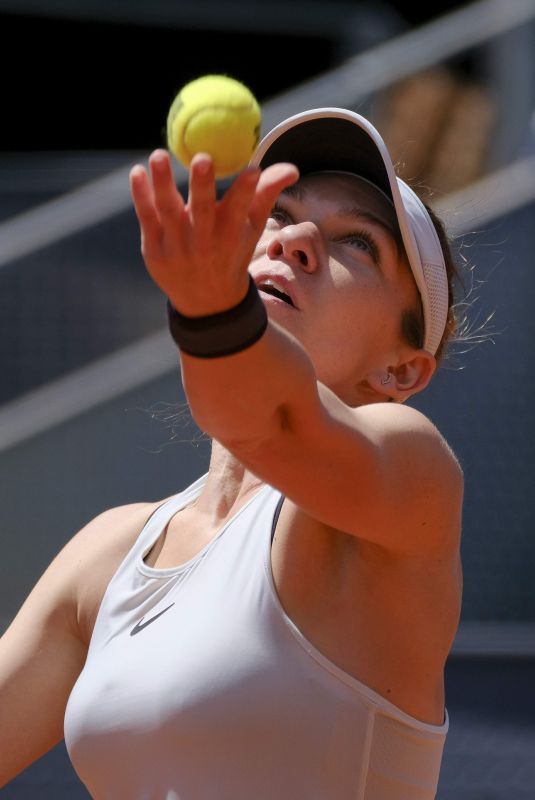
(140, 625)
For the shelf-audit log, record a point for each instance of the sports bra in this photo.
(198, 686)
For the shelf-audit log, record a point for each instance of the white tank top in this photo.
(198, 686)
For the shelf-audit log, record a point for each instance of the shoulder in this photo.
(391, 429)
(111, 530)
(411, 432)
(421, 477)
(84, 567)
(73, 584)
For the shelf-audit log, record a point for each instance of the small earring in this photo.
(386, 380)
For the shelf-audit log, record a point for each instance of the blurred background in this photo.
(90, 388)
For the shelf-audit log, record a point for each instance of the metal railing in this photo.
(155, 355)
(346, 85)
(365, 74)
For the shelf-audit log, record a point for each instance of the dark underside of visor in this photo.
(330, 143)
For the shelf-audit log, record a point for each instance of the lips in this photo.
(276, 286)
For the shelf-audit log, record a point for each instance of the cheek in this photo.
(345, 334)
(359, 302)
(363, 324)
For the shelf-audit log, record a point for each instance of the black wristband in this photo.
(220, 334)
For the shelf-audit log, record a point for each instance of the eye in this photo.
(362, 240)
(280, 215)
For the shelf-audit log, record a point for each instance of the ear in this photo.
(408, 377)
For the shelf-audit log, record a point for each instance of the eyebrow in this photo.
(367, 216)
(294, 191)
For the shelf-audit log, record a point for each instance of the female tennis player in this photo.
(279, 629)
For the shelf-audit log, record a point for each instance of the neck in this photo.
(227, 486)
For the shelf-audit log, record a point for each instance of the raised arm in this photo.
(381, 472)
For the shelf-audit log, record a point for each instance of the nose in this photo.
(298, 245)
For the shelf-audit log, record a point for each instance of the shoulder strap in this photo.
(276, 516)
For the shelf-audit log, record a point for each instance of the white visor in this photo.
(336, 139)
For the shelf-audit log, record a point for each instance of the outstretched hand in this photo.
(198, 252)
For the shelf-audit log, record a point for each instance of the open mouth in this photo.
(270, 288)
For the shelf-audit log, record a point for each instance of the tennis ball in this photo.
(216, 115)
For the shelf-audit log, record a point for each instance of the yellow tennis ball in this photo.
(216, 115)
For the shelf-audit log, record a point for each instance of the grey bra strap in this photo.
(276, 516)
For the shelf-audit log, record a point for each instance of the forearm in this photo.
(252, 396)
(198, 253)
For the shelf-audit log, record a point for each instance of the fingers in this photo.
(219, 235)
(143, 197)
(250, 199)
(168, 201)
(243, 211)
(235, 206)
(272, 182)
(201, 202)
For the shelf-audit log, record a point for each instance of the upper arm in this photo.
(381, 472)
(44, 649)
